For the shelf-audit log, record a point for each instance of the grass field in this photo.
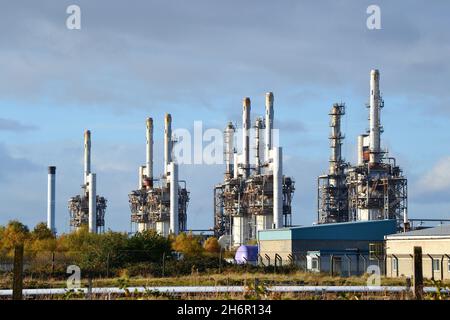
(230, 278)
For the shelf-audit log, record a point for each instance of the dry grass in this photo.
(222, 279)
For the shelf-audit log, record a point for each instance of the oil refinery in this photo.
(88, 208)
(373, 189)
(255, 195)
(252, 197)
(160, 204)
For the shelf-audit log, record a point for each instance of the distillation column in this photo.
(258, 126)
(229, 151)
(374, 117)
(246, 138)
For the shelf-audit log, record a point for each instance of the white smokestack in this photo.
(374, 117)
(51, 199)
(92, 202)
(87, 155)
(167, 142)
(174, 223)
(246, 137)
(269, 125)
(149, 153)
(277, 168)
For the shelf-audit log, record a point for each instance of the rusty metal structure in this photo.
(255, 195)
(88, 208)
(332, 190)
(373, 189)
(160, 204)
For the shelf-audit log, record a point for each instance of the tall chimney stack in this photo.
(149, 153)
(374, 117)
(87, 155)
(269, 125)
(51, 193)
(167, 142)
(246, 137)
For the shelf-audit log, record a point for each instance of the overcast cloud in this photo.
(197, 59)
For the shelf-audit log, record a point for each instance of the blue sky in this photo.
(197, 60)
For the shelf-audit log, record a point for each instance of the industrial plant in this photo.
(373, 189)
(160, 204)
(255, 196)
(88, 208)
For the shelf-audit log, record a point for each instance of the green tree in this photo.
(42, 232)
(15, 233)
(211, 245)
(147, 246)
(188, 244)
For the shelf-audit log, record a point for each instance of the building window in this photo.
(436, 265)
(394, 264)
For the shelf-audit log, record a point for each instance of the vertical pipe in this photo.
(277, 155)
(246, 137)
(51, 199)
(268, 124)
(229, 150)
(374, 117)
(235, 165)
(141, 177)
(92, 181)
(360, 150)
(149, 153)
(167, 142)
(258, 125)
(87, 155)
(174, 221)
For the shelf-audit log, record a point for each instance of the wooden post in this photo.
(418, 273)
(53, 262)
(332, 265)
(163, 263)
(18, 272)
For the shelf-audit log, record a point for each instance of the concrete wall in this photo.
(273, 247)
(402, 251)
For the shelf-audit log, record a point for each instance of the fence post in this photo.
(332, 265)
(107, 264)
(418, 273)
(220, 260)
(18, 272)
(53, 262)
(163, 263)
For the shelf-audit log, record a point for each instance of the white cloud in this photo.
(438, 177)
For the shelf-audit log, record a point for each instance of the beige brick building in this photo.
(435, 243)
